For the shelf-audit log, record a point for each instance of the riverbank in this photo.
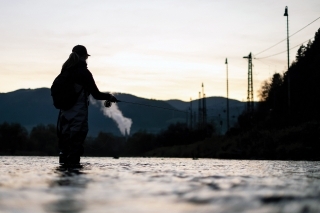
(291, 143)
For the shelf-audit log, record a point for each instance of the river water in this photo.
(38, 184)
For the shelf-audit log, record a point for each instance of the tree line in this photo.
(276, 108)
(42, 140)
(283, 127)
(304, 77)
(16, 140)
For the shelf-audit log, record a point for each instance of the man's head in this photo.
(81, 51)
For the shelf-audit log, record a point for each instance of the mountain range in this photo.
(31, 107)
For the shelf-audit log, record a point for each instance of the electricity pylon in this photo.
(250, 104)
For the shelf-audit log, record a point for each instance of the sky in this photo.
(156, 49)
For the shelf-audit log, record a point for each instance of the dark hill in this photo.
(31, 107)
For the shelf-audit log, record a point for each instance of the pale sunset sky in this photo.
(160, 49)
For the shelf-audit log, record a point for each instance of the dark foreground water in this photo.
(37, 184)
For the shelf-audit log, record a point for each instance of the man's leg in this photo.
(63, 132)
(76, 146)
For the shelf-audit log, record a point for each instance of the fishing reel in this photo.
(107, 104)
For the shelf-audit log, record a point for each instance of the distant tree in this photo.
(13, 137)
(270, 88)
(139, 143)
(263, 93)
(181, 134)
(43, 139)
(301, 53)
(105, 144)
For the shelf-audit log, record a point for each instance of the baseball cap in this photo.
(80, 50)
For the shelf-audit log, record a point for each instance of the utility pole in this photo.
(204, 107)
(191, 122)
(227, 96)
(204, 110)
(199, 110)
(250, 106)
(287, 14)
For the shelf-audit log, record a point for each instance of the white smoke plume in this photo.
(113, 112)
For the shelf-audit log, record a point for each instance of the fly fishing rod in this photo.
(108, 104)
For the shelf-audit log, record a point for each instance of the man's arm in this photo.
(93, 89)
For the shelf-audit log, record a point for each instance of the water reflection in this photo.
(143, 185)
(69, 186)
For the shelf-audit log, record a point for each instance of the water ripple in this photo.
(38, 184)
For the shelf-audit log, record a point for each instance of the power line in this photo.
(271, 46)
(153, 106)
(268, 64)
(285, 50)
(305, 26)
(289, 37)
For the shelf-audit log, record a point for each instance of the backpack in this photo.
(63, 91)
